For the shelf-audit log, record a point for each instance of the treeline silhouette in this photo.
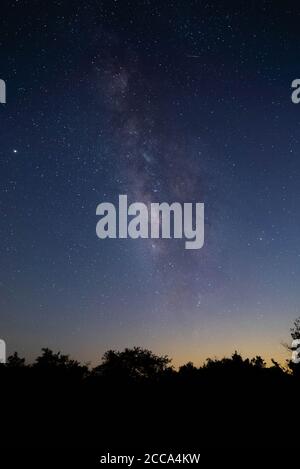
(136, 399)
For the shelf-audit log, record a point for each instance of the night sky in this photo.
(186, 101)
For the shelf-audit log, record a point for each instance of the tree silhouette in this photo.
(15, 361)
(135, 364)
(58, 365)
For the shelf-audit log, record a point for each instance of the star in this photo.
(15, 150)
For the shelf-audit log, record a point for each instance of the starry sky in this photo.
(163, 101)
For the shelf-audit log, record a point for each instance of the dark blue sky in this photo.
(163, 101)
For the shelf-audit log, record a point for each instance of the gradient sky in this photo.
(164, 101)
